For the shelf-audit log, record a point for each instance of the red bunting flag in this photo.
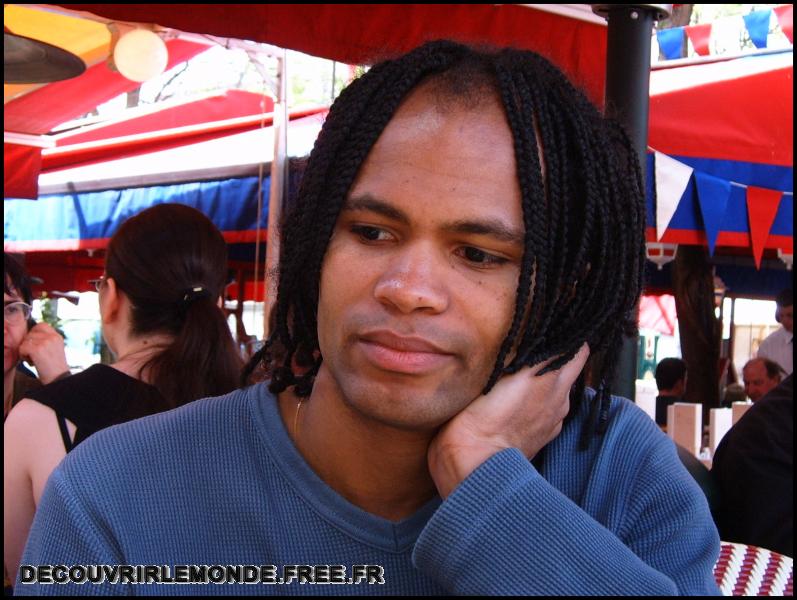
(762, 206)
(20, 173)
(785, 20)
(699, 35)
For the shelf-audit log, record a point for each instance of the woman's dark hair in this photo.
(583, 217)
(171, 263)
(16, 280)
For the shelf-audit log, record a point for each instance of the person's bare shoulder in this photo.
(33, 441)
(28, 416)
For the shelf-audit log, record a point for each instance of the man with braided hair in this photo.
(468, 229)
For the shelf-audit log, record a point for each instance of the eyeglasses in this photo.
(16, 313)
(97, 283)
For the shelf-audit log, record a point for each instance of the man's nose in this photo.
(414, 280)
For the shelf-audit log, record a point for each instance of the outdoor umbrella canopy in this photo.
(26, 60)
(354, 34)
(350, 33)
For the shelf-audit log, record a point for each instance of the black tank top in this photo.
(97, 398)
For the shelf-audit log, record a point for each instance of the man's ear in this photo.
(111, 301)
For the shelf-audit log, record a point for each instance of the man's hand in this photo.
(521, 411)
(44, 348)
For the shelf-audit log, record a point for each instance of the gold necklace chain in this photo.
(296, 421)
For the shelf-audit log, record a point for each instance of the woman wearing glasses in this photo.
(39, 343)
(165, 272)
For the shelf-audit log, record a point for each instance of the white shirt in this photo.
(778, 347)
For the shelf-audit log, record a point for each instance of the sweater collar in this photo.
(354, 521)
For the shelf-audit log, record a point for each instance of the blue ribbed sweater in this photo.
(219, 482)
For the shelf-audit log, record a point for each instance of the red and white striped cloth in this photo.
(743, 570)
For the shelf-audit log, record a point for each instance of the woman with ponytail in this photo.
(165, 273)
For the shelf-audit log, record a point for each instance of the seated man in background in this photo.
(671, 381)
(778, 346)
(760, 375)
(754, 468)
(733, 392)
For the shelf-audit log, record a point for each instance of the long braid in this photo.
(530, 181)
(581, 267)
(535, 208)
(550, 124)
(604, 203)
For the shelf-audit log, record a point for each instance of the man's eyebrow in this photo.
(494, 228)
(373, 204)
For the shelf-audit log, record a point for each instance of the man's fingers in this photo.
(566, 374)
(571, 369)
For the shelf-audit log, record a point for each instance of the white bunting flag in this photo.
(672, 177)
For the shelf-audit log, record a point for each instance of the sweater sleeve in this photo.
(506, 530)
(64, 533)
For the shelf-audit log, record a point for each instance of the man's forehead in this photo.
(749, 368)
(754, 369)
(463, 160)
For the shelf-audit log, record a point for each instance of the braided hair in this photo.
(583, 256)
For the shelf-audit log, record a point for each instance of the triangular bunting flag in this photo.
(712, 194)
(757, 23)
(671, 42)
(785, 16)
(762, 206)
(672, 177)
(699, 36)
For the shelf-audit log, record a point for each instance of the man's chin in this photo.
(411, 404)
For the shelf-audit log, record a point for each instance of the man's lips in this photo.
(401, 343)
(391, 352)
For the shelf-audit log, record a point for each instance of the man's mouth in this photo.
(401, 354)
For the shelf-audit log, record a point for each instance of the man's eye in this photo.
(480, 257)
(13, 310)
(371, 234)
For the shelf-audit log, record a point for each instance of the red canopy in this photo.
(38, 111)
(740, 109)
(355, 34)
(162, 128)
(363, 33)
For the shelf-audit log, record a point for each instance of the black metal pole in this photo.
(627, 99)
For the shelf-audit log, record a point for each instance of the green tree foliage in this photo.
(50, 313)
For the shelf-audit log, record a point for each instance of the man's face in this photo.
(13, 334)
(786, 318)
(419, 281)
(756, 380)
